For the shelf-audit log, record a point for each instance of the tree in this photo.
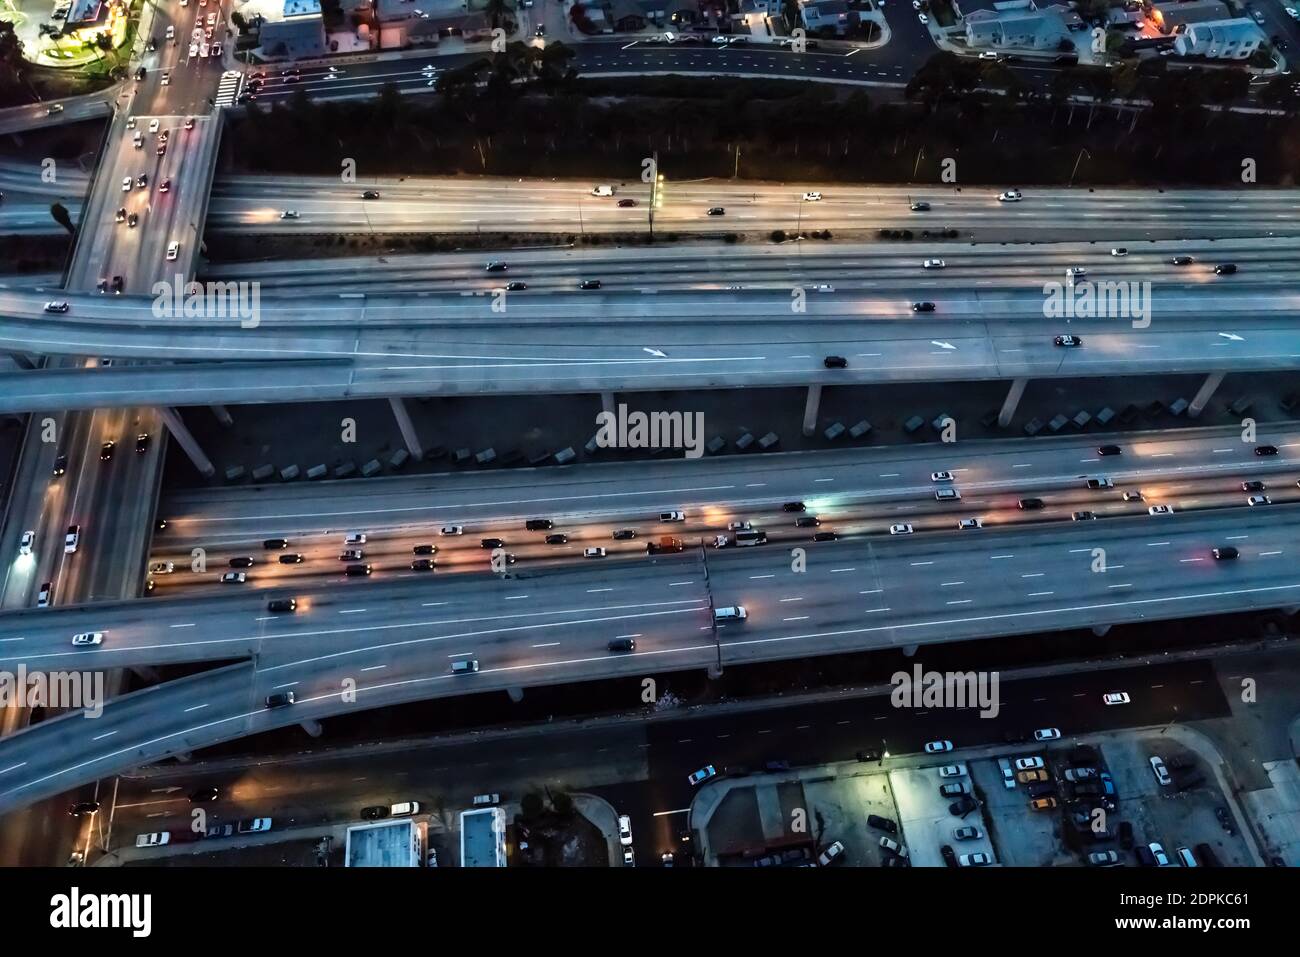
(60, 214)
(12, 65)
(498, 12)
(791, 13)
(238, 20)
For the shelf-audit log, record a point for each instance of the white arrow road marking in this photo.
(942, 345)
(1231, 336)
(655, 352)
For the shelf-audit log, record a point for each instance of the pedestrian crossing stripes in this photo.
(228, 89)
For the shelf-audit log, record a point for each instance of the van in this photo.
(539, 524)
(602, 191)
(482, 800)
(753, 536)
(465, 666)
(405, 809)
(730, 613)
(946, 495)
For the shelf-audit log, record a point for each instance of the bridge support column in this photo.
(223, 415)
(312, 727)
(182, 435)
(1203, 396)
(23, 361)
(910, 650)
(516, 694)
(404, 423)
(1013, 399)
(184, 757)
(812, 405)
(1100, 630)
(607, 402)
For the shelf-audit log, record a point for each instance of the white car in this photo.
(194, 49)
(43, 596)
(703, 774)
(1028, 764)
(812, 197)
(740, 526)
(355, 538)
(157, 839)
(893, 846)
(26, 542)
(934, 264)
(452, 530)
(1134, 496)
(830, 854)
(1119, 251)
(212, 19)
(1259, 500)
(288, 214)
(720, 40)
(1292, 12)
(923, 18)
(902, 529)
(126, 184)
(1160, 771)
(1160, 510)
(629, 858)
(967, 832)
(672, 517)
(1047, 734)
(952, 771)
(969, 523)
(87, 638)
(978, 859)
(937, 747)
(1115, 697)
(170, 33)
(166, 79)
(173, 250)
(989, 55)
(153, 126)
(1008, 775)
(1010, 196)
(625, 830)
(72, 539)
(941, 477)
(594, 552)
(823, 287)
(405, 809)
(1158, 852)
(234, 578)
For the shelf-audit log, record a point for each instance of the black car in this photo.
(422, 565)
(83, 807)
(963, 805)
(923, 307)
(949, 855)
(1225, 819)
(1126, 835)
(1254, 486)
(290, 558)
(1182, 261)
(282, 604)
(424, 549)
(835, 362)
(622, 644)
(1225, 553)
(557, 539)
(882, 823)
(623, 534)
(516, 285)
(807, 521)
(276, 543)
(140, 74)
(1108, 450)
(121, 214)
(60, 465)
(118, 283)
(142, 442)
(1144, 856)
(1030, 504)
(496, 266)
(539, 525)
(280, 700)
(717, 211)
(1205, 854)
(243, 561)
(491, 543)
(589, 284)
(1068, 342)
(920, 207)
(370, 194)
(106, 451)
(626, 203)
(868, 755)
(825, 537)
(793, 507)
(1266, 450)
(204, 795)
(1225, 269)
(374, 812)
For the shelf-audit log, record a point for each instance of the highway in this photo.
(389, 642)
(853, 492)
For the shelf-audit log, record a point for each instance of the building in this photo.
(1168, 17)
(397, 843)
(1233, 39)
(627, 15)
(1020, 25)
(84, 13)
(823, 17)
(483, 837)
(401, 23)
(291, 29)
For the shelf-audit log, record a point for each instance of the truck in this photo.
(666, 543)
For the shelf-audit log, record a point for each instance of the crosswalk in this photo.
(228, 89)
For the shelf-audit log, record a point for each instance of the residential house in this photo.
(1232, 39)
(1169, 16)
(1023, 27)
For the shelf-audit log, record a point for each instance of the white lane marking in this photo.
(996, 557)
(1033, 574)
(1149, 544)
(946, 584)
(267, 618)
(872, 611)
(197, 707)
(797, 618)
(871, 591)
(835, 570)
(961, 601)
(791, 599)
(101, 737)
(547, 644)
(592, 591)
(13, 767)
(432, 604)
(515, 597)
(374, 667)
(1184, 561)
(1125, 585)
(755, 577)
(1039, 594)
(915, 564)
(351, 611)
(675, 584)
(1266, 554)
(189, 624)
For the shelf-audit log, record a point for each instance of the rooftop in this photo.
(383, 844)
(483, 837)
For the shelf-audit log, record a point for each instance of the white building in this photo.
(1025, 27)
(1235, 39)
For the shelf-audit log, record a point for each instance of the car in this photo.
(126, 185)
(216, 49)
(1068, 342)
(934, 264)
(717, 211)
(60, 465)
(496, 265)
(120, 215)
(1224, 553)
(1047, 734)
(621, 644)
(156, 839)
(289, 214)
(969, 523)
(282, 604)
(205, 795)
(106, 451)
(1158, 855)
(166, 79)
(1042, 804)
(625, 830)
(892, 846)
(623, 534)
(1103, 859)
(967, 832)
(920, 207)
(674, 516)
(1225, 269)
(253, 825)
(882, 823)
(952, 771)
(835, 362)
(593, 552)
(807, 521)
(923, 307)
(626, 203)
(161, 568)
(452, 530)
(923, 18)
(903, 528)
(946, 495)
(1010, 196)
(793, 507)
(703, 774)
(72, 539)
(1160, 510)
(189, 123)
(1134, 496)
(941, 477)
(118, 284)
(350, 555)
(986, 55)
(404, 808)
(370, 194)
(491, 543)
(1100, 481)
(1032, 777)
(978, 859)
(811, 197)
(374, 812)
(1029, 504)
(516, 285)
(1163, 777)
(57, 305)
(234, 578)
(1266, 450)
(173, 250)
(83, 807)
(87, 638)
(937, 747)
(1026, 764)
(962, 806)
(832, 854)
(1115, 697)
(1181, 261)
(422, 565)
(44, 594)
(589, 284)
(1224, 818)
(26, 542)
(1079, 773)
(142, 442)
(1254, 486)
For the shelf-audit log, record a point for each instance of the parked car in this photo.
(831, 854)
